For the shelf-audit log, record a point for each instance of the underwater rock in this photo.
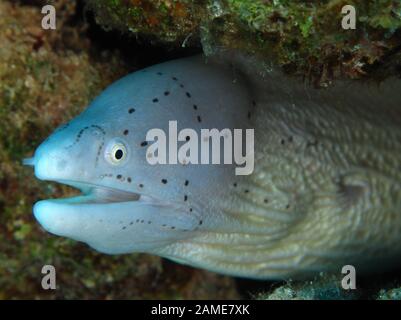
(46, 78)
(392, 294)
(305, 37)
(323, 287)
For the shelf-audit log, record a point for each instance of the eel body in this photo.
(324, 190)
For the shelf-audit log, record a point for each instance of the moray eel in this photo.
(324, 192)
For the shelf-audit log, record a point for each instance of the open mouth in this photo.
(94, 194)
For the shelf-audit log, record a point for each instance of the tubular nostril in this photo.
(28, 161)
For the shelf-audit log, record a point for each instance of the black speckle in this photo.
(142, 221)
(159, 74)
(186, 182)
(140, 185)
(119, 176)
(265, 200)
(290, 139)
(155, 100)
(246, 191)
(125, 132)
(164, 181)
(172, 227)
(235, 184)
(181, 85)
(174, 78)
(195, 107)
(185, 198)
(283, 142)
(149, 222)
(287, 206)
(131, 223)
(166, 93)
(132, 110)
(253, 102)
(199, 119)
(249, 115)
(190, 209)
(124, 228)
(188, 94)
(200, 222)
(129, 179)
(144, 144)
(187, 138)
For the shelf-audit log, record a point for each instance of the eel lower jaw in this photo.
(95, 194)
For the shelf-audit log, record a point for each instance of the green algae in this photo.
(305, 37)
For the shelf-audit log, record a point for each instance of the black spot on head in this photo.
(140, 185)
(155, 100)
(187, 138)
(129, 179)
(126, 132)
(188, 94)
(132, 110)
(144, 144)
(186, 182)
(164, 181)
(199, 119)
(166, 93)
(119, 176)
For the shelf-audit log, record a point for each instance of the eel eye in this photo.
(116, 152)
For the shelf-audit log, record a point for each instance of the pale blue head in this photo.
(127, 204)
